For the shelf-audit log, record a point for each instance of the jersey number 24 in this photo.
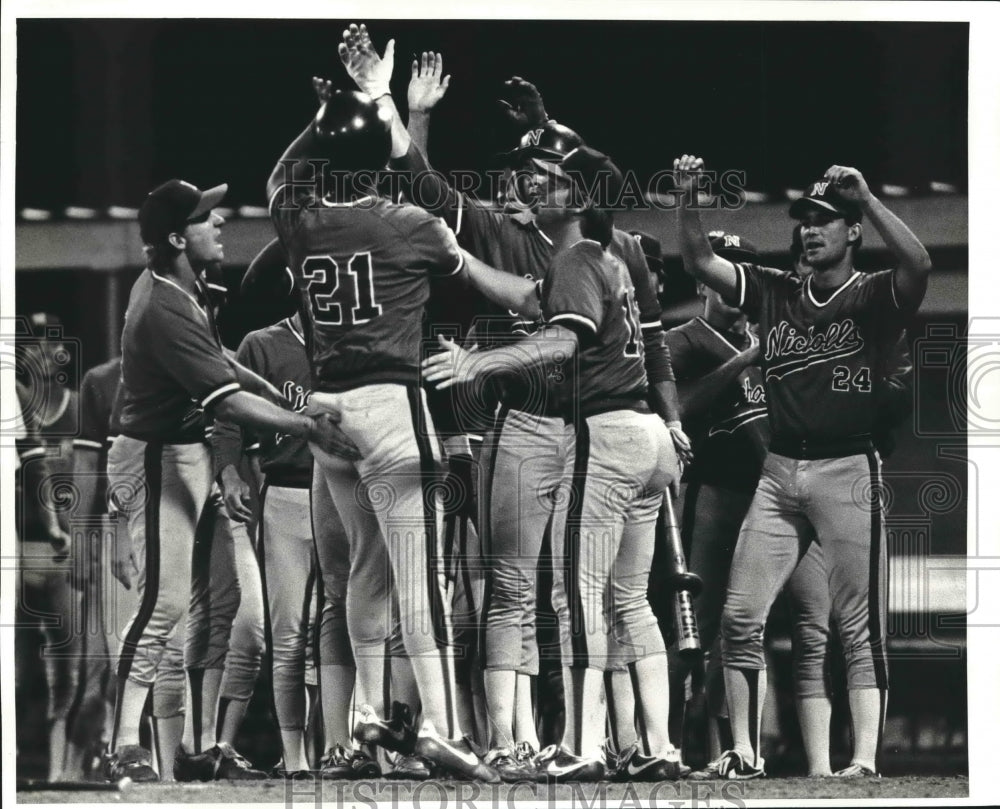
(338, 295)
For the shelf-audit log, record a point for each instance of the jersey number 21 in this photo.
(341, 295)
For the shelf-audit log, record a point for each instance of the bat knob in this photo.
(687, 581)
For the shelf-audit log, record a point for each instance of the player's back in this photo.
(589, 286)
(362, 269)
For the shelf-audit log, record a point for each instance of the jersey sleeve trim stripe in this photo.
(653, 324)
(741, 285)
(458, 217)
(85, 443)
(892, 289)
(574, 318)
(458, 267)
(35, 452)
(225, 390)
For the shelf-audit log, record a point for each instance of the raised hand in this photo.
(523, 103)
(427, 87)
(849, 182)
(323, 89)
(370, 71)
(687, 171)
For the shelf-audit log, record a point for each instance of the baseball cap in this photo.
(651, 249)
(823, 195)
(168, 208)
(733, 247)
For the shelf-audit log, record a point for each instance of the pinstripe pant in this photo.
(835, 502)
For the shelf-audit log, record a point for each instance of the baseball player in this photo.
(287, 554)
(808, 589)
(361, 265)
(524, 456)
(171, 359)
(115, 562)
(825, 342)
(723, 408)
(621, 463)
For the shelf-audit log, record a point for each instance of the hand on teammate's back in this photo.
(427, 87)
(328, 436)
(370, 71)
(523, 104)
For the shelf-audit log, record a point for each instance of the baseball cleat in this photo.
(234, 767)
(336, 764)
(633, 765)
(856, 771)
(509, 766)
(454, 756)
(130, 761)
(556, 764)
(730, 766)
(218, 763)
(409, 768)
(364, 767)
(525, 755)
(397, 734)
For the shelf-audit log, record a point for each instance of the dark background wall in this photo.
(107, 108)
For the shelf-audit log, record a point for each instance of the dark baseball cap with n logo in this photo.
(823, 195)
(170, 207)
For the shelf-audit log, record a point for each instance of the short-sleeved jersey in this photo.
(98, 391)
(173, 364)
(590, 291)
(730, 437)
(278, 354)
(822, 360)
(362, 270)
(513, 243)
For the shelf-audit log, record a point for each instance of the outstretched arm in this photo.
(549, 346)
(372, 73)
(913, 261)
(699, 258)
(508, 291)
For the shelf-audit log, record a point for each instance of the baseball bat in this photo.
(684, 583)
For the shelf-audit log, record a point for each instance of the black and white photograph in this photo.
(551, 404)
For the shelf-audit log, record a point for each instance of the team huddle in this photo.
(433, 501)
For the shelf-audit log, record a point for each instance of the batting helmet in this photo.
(551, 142)
(353, 132)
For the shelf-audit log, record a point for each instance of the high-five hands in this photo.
(370, 71)
(522, 103)
(427, 87)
